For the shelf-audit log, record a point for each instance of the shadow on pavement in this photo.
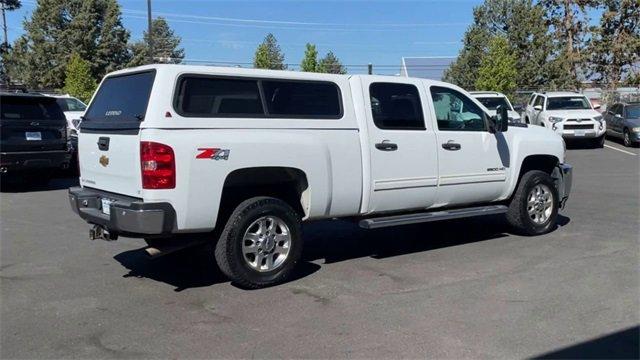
(331, 241)
(619, 345)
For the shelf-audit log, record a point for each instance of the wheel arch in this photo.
(289, 184)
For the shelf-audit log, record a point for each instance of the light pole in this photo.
(149, 33)
(4, 26)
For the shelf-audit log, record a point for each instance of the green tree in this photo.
(165, 46)
(57, 29)
(268, 55)
(463, 72)
(78, 81)
(331, 64)
(615, 44)
(568, 20)
(498, 69)
(310, 61)
(522, 23)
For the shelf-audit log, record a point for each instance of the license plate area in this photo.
(580, 132)
(33, 135)
(106, 206)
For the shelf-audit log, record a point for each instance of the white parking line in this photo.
(622, 151)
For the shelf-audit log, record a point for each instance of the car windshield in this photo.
(492, 103)
(71, 104)
(568, 103)
(633, 112)
(30, 108)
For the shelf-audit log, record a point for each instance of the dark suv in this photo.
(33, 133)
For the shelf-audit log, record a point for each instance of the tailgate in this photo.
(110, 162)
(109, 139)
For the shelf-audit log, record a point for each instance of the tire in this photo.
(246, 232)
(598, 143)
(626, 138)
(526, 121)
(519, 216)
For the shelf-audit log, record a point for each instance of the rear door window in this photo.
(30, 108)
(120, 103)
(396, 106)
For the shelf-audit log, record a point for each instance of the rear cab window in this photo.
(120, 103)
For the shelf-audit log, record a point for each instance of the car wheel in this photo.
(526, 120)
(627, 138)
(261, 243)
(599, 142)
(534, 207)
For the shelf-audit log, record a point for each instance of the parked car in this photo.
(568, 114)
(492, 99)
(623, 121)
(244, 155)
(33, 136)
(73, 110)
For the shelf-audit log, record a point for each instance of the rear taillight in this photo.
(158, 164)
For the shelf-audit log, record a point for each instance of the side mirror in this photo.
(537, 108)
(597, 106)
(501, 119)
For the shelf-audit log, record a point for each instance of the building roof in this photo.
(428, 67)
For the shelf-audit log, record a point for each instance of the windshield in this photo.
(30, 108)
(633, 112)
(492, 103)
(568, 103)
(121, 102)
(71, 104)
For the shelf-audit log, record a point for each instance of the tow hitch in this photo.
(99, 232)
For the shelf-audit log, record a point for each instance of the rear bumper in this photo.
(563, 176)
(34, 160)
(127, 216)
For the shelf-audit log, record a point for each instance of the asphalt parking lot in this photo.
(458, 289)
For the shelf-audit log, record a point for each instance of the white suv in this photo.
(492, 99)
(569, 114)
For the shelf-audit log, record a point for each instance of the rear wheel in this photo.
(261, 243)
(534, 207)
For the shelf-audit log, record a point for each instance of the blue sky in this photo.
(358, 32)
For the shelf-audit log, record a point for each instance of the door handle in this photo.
(450, 145)
(386, 145)
(103, 143)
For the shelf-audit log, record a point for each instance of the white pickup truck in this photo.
(246, 155)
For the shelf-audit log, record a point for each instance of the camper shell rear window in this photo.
(246, 97)
(120, 103)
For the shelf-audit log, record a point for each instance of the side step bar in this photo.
(415, 218)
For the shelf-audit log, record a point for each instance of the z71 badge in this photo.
(213, 154)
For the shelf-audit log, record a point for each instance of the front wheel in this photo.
(599, 142)
(534, 207)
(261, 243)
(627, 138)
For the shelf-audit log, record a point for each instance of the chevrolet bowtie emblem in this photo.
(104, 161)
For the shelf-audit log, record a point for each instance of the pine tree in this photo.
(569, 21)
(498, 69)
(268, 55)
(58, 28)
(310, 61)
(615, 45)
(522, 23)
(331, 64)
(165, 46)
(78, 81)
